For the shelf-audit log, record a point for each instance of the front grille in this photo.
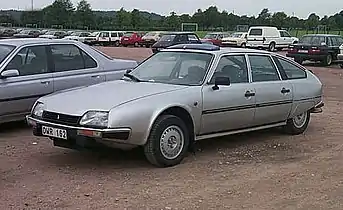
(61, 118)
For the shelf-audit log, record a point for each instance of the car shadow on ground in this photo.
(266, 145)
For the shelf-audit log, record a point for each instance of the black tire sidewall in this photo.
(270, 46)
(292, 129)
(159, 126)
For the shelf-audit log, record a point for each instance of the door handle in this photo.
(249, 94)
(95, 76)
(284, 90)
(45, 82)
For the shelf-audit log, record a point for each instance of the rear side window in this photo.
(263, 69)
(289, 70)
(256, 32)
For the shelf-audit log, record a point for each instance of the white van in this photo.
(270, 38)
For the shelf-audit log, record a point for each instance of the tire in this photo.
(341, 65)
(298, 60)
(298, 124)
(116, 43)
(271, 47)
(136, 44)
(327, 61)
(173, 128)
(243, 45)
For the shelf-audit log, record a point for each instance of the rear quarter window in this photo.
(255, 32)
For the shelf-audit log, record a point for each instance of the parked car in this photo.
(109, 38)
(27, 34)
(151, 38)
(92, 39)
(132, 38)
(53, 35)
(7, 32)
(174, 38)
(215, 38)
(340, 56)
(182, 94)
(237, 39)
(31, 68)
(316, 47)
(270, 38)
(78, 36)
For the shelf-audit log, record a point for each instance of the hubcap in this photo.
(328, 59)
(171, 142)
(300, 120)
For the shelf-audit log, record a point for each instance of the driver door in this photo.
(230, 107)
(19, 93)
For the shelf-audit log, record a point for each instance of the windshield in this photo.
(5, 50)
(168, 38)
(151, 34)
(312, 40)
(210, 36)
(179, 68)
(128, 34)
(25, 32)
(236, 35)
(75, 34)
(51, 33)
(94, 34)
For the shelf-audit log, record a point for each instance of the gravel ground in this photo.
(259, 170)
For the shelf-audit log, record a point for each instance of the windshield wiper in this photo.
(132, 77)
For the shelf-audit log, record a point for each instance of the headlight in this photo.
(38, 109)
(95, 118)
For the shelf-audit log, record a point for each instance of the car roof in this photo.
(178, 32)
(213, 49)
(28, 41)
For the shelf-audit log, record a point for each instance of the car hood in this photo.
(103, 96)
(46, 36)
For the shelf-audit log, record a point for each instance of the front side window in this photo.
(263, 69)
(105, 34)
(179, 68)
(30, 61)
(70, 57)
(192, 37)
(234, 67)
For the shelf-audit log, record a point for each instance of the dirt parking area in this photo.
(259, 170)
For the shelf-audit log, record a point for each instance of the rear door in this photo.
(104, 36)
(255, 37)
(74, 67)
(19, 93)
(274, 96)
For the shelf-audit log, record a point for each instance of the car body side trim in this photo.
(227, 133)
(22, 97)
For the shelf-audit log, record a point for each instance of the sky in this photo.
(300, 8)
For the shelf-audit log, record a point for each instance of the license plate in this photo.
(126, 38)
(54, 132)
(303, 51)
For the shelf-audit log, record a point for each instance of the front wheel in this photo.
(298, 124)
(328, 60)
(168, 141)
(271, 47)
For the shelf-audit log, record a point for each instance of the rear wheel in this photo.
(116, 43)
(272, 47)
(168, 141)
(298, 60)
(298, 124)
(328, 60)
(243, 45)
(136, 44)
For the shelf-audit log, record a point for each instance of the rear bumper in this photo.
(307, 56)
(318, 108)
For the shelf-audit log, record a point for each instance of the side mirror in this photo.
(221, 81)
(9, 73)
(128, 71)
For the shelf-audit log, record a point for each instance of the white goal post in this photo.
(189, 27)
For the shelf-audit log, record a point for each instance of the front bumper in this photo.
(340, 57)
(75, 133)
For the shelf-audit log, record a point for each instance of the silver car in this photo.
(181, 95)
(31, 68)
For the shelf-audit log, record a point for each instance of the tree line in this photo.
(63, 14)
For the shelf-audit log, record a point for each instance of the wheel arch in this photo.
(180, 111)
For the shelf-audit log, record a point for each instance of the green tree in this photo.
(60, 12)
(135, 18)
(84, 15)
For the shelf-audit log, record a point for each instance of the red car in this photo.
(132, 38)
(215, 38)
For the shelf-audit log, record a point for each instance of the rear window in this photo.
(168, 38)
(128, 34)
(312, 40)
(5, 50)
(256, 32)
